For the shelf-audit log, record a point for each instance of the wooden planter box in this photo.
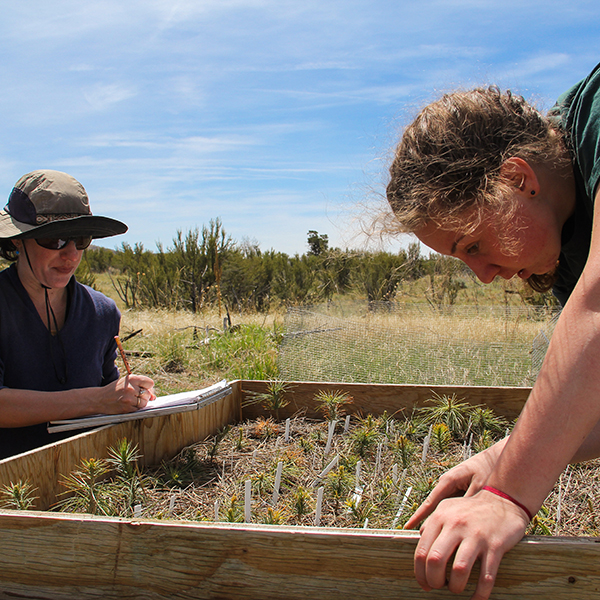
(51, 555)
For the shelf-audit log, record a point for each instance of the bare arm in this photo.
(20, 408)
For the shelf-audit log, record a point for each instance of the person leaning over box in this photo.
(57, 346)
(483, 176)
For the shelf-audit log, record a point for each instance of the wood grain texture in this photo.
(377, 398)
(78, 557)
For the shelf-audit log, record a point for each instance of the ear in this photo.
(521, 175)
(18, 244)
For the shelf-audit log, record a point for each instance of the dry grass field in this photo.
(416, 343)
(184, 351)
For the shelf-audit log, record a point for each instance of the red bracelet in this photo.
(489, 488)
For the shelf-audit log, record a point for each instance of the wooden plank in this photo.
(73, 556)
(377, 398)
(158, 438)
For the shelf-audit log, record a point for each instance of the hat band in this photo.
(43, 219)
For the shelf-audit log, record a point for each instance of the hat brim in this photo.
(96, 226)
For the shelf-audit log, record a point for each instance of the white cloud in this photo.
(190, 146)
(102, 96)
(540, 63)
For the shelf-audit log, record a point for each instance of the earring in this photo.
(532, 192)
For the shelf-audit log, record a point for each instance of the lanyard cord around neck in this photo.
(62, 379)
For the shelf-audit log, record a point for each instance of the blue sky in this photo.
(276, 116)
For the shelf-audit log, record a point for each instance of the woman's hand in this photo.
(127, 394)
(467, 479)
(483, 526)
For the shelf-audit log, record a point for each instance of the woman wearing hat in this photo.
(57, 347)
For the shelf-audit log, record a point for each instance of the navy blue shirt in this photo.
(82, 355)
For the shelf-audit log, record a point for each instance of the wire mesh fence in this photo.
(416, 344)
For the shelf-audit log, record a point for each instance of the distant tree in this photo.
(317, 244)
(445, 280)
(335, 273)
(131, 285)
(99, 259)
(414, 263)
(377, 274)
(199, 256)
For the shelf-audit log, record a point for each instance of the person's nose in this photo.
(70, 252)
(485, 271)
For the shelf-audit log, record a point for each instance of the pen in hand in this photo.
(128, 368)
(120, 347)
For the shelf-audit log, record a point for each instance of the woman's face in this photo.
(534, 243)
(52, 268)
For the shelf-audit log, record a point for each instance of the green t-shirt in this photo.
(578, 112)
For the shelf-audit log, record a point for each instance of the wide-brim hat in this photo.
(49, 203)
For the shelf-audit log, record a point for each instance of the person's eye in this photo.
(472, 249)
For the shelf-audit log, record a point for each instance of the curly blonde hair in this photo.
(449, 158)
(448, 162)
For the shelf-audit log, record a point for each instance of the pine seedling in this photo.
(274, 399)
(316, 435)
(129, 484)
(180, 471)
(416, 426)
(265, 429)
(273, 517)
(541, 524)
(483, 419)
(360, 511)
(262, 483)
(404, 449)
(449, 410)
(386, 490)
(386, 423)
(18, 496)
(293, 462)
(306, 445)
(174, 474)
(422, 487)
(484, 441)
(189, 457)
(337, 485)
(213, 449)
(441, 437)
(234, 513)
(84, 487)
(364, 438)
(123, 459)
(301, 502)
(239, 445)
(331, 403)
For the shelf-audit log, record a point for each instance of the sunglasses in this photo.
(81, 242)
